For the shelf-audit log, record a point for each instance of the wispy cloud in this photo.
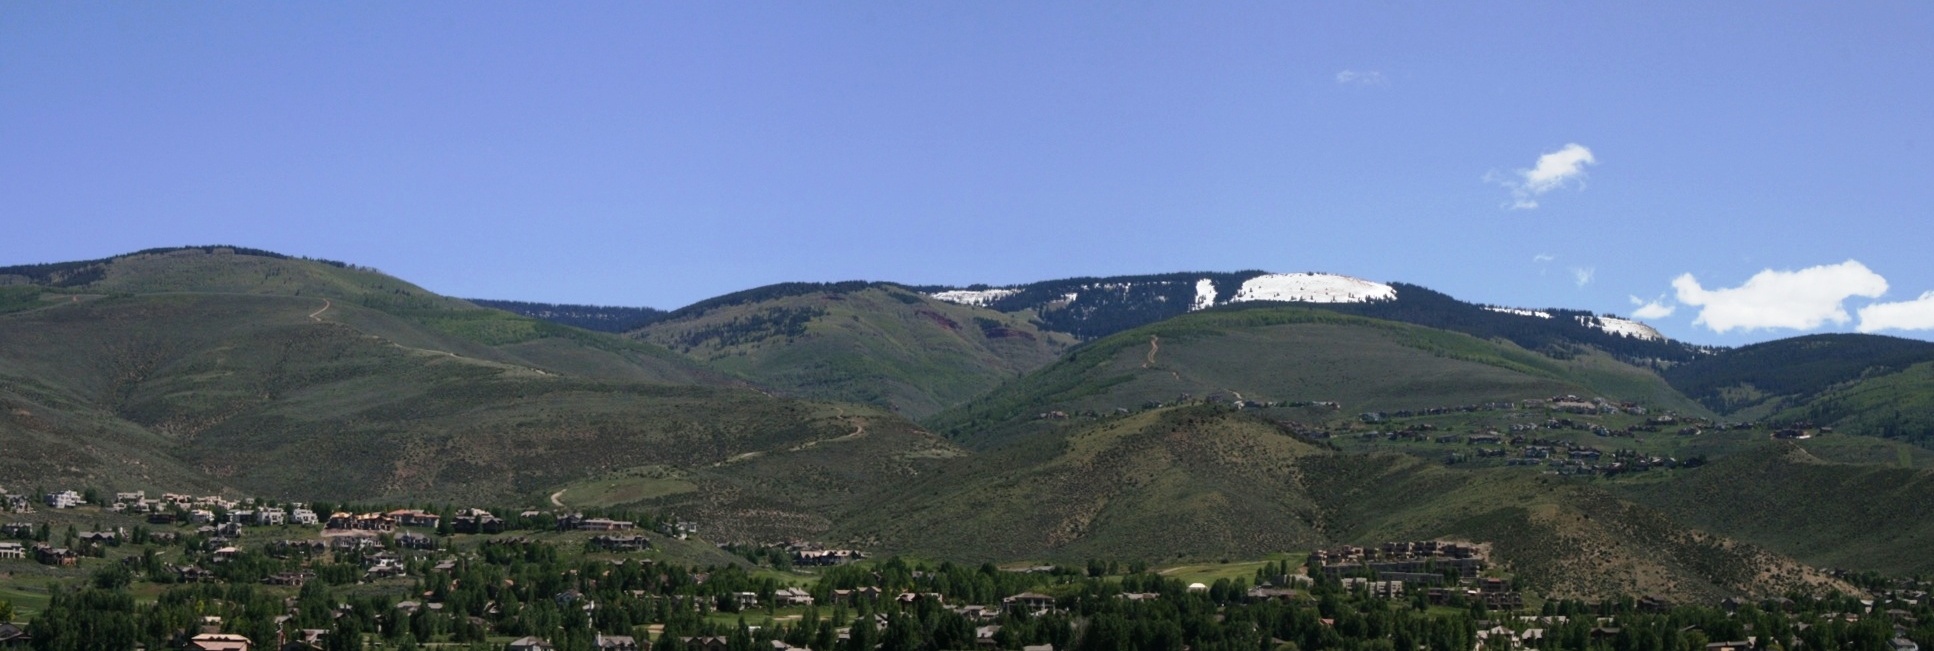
(1554, 170)
(1583, 275)
(1653, 309)
(1361, 78)
(1798, 300)
(1917, 314)
(1543, 257)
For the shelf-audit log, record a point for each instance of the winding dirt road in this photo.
(317, 315)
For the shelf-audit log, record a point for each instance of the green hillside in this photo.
(397, 310)
(1292, 355)
(351, 386)
(1202, 482)
(1756, 381)
(1781, 494)
(859, 342)
(1896, 405)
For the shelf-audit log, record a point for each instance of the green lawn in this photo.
(1207, 573)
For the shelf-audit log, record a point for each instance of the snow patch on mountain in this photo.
(1622, 327)
(1519, 311)
(975, 297)
(1312, 288)
(1204, 295)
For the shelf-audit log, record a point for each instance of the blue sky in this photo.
(660, 153)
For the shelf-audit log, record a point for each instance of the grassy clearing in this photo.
(629, 487)
(27, 600)
(1208, 573)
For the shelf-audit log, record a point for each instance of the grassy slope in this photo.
(1189, 482)
(878, 344)
(1291, 354)
(396, 309)
(415, 396)
(1895, 405)
(1203, 482)
(1872, 516)
(1756, 381)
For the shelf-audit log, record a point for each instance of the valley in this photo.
(1172, 421)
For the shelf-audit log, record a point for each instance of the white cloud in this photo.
(1799, 300)
(1654, 309)
(1543, 257)
(1583, 275)
(1553, 170)
(1360, 78)
(1917, 314)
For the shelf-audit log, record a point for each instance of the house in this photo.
(301, 515)
(529, 644)
(984, 635)
(476, 521)
(793, 597)
(11, 637)
(56, 556)
(270, 517)
(386, 567)
(621, 543)
(415, 518)
(218, 642)
(17, 530)
(12, 550)
(1260, 593)
(602, 524)
(193, 574)
(415, 541)
(614, 643)
(1030, 601)
(292, 579)
(1899, 644)
(709, 643)
(63, 500)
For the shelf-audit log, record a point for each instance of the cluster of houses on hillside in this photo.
(1447, 572)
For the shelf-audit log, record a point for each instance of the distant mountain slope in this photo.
(397, 309)
(1091, 308)
(602, 318)
(1205, 481)
(1898, 405)
(1293, 355)
(1861, 516)
(351, 385)
(873, 343)
(1757, 380)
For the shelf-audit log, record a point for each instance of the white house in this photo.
(63, 500)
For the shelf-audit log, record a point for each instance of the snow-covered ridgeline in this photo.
(1312, 288)
(1621, 327)
(975, 297)
(1519, 311)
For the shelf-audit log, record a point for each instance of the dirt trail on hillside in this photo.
(317, 315)
(859, 431)
(1154, 346)
(557, 498)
